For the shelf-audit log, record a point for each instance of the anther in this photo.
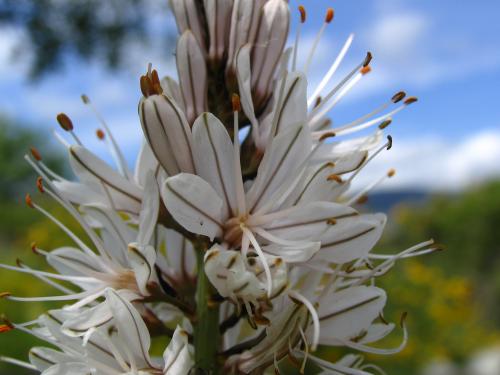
(5, 294)
(363, 199)
(334, 177)
(212, 255)
(331, 221)
(29, 202)
(65, 122)
(396, 98)
(36, 154)
(235, 100)
(39, 184)
(34, 248)
(403, 319)
(384, 124)
(329, 15)
(365, 69)
(85, 99)
(5, 328)
(302, 11)
(389, 142)
(391, 172)
(410, 100)
(327, 135)
(368, 59)
(438, 247)
(100, 134)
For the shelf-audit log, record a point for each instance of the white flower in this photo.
(257, 245)
(120, 346)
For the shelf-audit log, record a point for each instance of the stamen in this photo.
(36, 154)
(39, 184)
(263, 260)
(69, 207)
(47, 274)
(302, 11)
(342, 83)
(314, 316)
(113, 145)
(17, 362)
(306, 352)
(410, 100)
(67, 125)
(398, 97)
(240, 190)
(328, 19)
(100, 134)
(385, 146)
(29, 201)
(354, 127)
(370, 187)
(340, 57)
(50, 282)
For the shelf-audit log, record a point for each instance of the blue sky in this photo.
(446, 52)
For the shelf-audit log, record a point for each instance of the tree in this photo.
(86, 28)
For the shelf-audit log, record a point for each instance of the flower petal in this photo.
(346, 313)
(91, 170)
(177, 356)
(142, 261)
(350, 239)
(282, 158)
(131, 328)
(149, 210)
(308, 221)
(214, 159)
(194, 204)
(146, 162)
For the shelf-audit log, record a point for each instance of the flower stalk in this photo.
(206, 328)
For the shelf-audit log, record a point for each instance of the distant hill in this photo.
(385, 201)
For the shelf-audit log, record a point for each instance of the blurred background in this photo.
(446, 148)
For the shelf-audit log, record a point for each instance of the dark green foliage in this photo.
(85, 28)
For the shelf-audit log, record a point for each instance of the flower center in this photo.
(232, 230)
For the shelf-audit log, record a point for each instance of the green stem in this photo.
(206, 329)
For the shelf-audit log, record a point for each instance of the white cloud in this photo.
(436, 163)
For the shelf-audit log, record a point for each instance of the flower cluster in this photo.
(243, 246)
